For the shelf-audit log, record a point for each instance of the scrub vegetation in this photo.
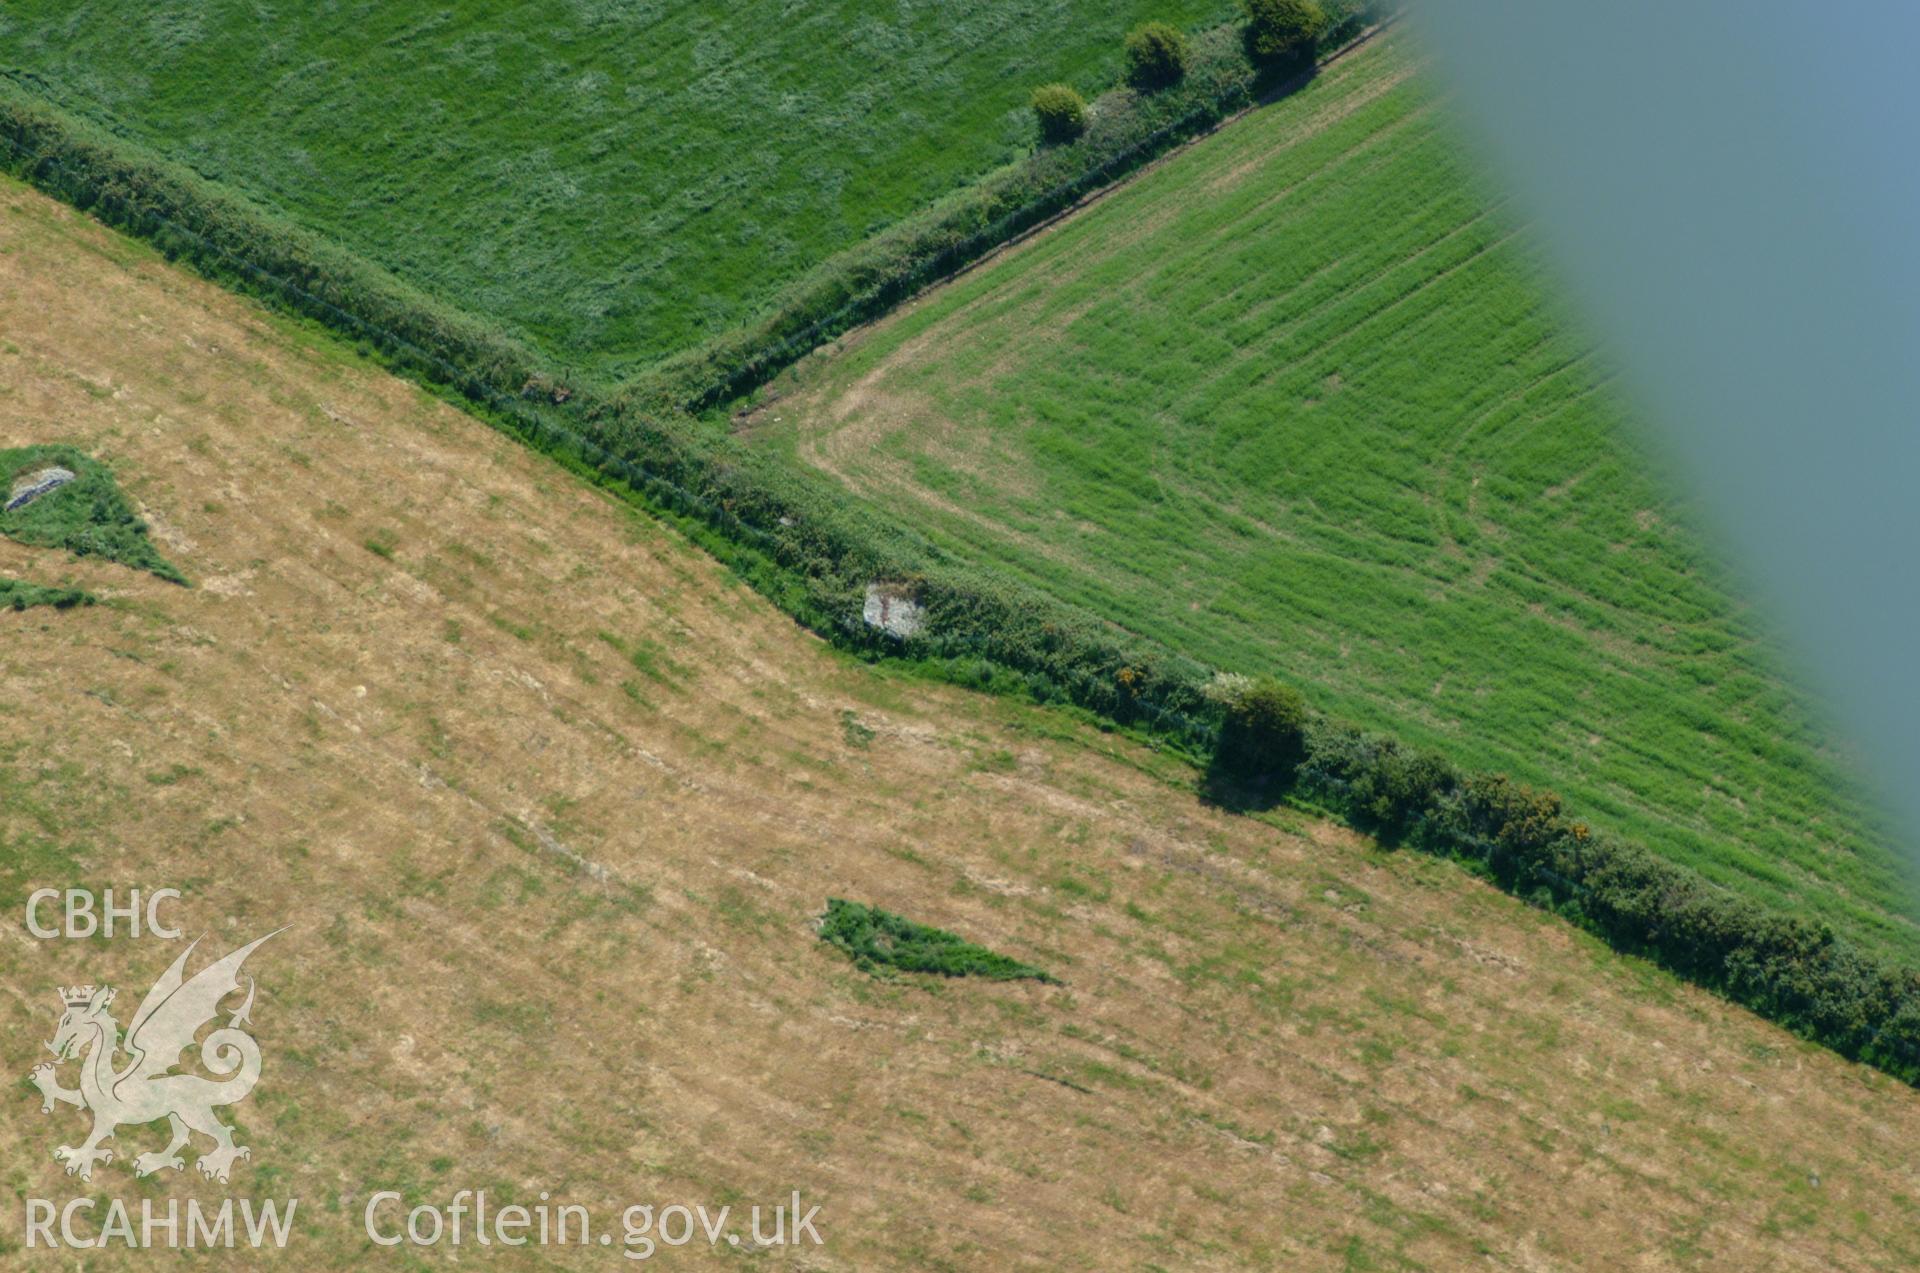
(18, 594)
(880, 941)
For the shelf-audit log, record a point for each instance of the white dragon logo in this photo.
(143, 1091)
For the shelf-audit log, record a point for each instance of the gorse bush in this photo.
(1060, 111)
(1157, 55)
(875, 940)
(1282, 29)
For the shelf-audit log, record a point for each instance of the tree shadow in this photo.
(1274, 81)
(1224, 786)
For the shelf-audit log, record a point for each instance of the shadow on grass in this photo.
(1225, 786)
(1277, 81)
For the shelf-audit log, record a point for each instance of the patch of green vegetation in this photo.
(1295, 402)
(651, 661)
(854, 731)
(612, 181)
(880, 941)
(17, 594)
(89, 516)
(46, 811)
(997, 761)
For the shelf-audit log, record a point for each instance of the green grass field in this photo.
(1295, 401)
(611, 181)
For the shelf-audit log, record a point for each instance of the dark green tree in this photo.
(1263, 735)
(1157, 55)
(1060, 112)
(1279, 30)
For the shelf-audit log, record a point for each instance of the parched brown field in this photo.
(551, 903)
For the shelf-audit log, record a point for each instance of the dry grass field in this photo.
(550, 804)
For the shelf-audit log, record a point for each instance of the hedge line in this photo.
(797, 540)
(1126, 129)
(240, 243)
(812, 553)
(1782, 967)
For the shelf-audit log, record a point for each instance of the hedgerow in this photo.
(1127, 129)
(1779, 965)
(234, 241)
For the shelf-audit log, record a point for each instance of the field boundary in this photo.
(1299, 80)
(1130, 132)
(815, 557)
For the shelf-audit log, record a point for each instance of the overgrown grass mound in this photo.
(877, 940)
(89, 516)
